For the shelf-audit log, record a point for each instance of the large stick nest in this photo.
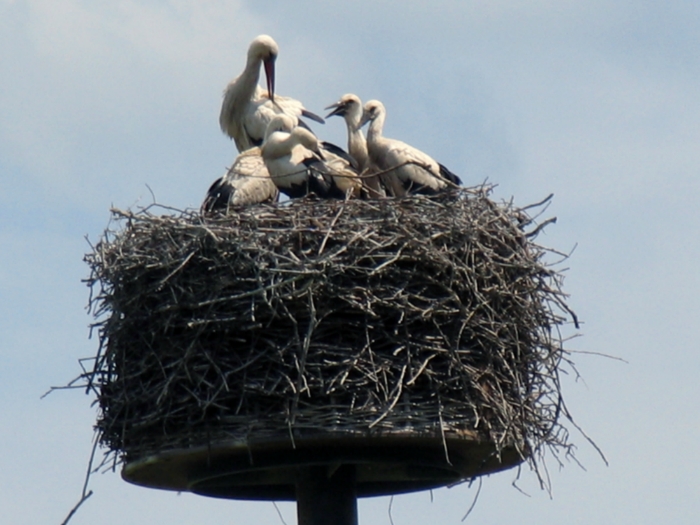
(429, 316)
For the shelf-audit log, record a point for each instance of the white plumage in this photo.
(342, 169)
(298, 164)
(350, 108)
(407, 169)
(247, 108)
(247, 181)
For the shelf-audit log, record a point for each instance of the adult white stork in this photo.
(407, 169)
(350, 108)
(299, 165)
(247, 108)
(247, 181)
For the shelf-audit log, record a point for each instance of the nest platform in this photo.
(414, 341)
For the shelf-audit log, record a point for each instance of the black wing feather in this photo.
(448, 175)
(313, 116)
(340, 152)
(218, 196)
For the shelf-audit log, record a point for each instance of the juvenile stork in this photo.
(247, 181)
(247, 108)
(350, 108)
(299, 165)
(408, 170)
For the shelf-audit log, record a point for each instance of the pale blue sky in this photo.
(595, 101)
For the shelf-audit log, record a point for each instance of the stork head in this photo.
(307, 139)
(349, 106)
(263, 48)
(373, 110)
(280, 122)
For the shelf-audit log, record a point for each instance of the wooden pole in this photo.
(326, 496)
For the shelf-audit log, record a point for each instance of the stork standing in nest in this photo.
(407, 170)
(247, 109)
(299, 164)
(350, 108)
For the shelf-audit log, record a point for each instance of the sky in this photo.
(112, 103)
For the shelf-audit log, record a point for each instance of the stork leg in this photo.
(325, 496)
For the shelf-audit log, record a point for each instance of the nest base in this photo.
(270, 469)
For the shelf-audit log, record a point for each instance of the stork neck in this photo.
(250, 76)
(353, 117)
(278, 145)
(357, 146)
(375, 128)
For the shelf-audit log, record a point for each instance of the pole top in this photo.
(267, 470)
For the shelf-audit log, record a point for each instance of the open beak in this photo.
(270, 75)
(338, 109)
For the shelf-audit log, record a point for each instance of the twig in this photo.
(85, 494)
(476, 498)
(392, 303)
(279, 513)
(77, 506)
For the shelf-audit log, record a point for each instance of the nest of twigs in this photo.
(423, 315)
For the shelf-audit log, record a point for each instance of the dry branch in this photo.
(417, 315)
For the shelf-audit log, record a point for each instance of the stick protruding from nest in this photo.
(423, 315)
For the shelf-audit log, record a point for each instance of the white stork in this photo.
(298, 164)
(408, 170)
(247, 181)
(247, 109)
(350, 108)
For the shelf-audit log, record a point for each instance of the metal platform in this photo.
(272, 469)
